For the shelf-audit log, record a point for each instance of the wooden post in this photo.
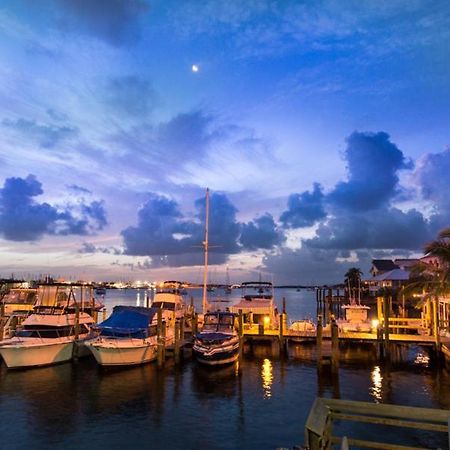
(386, 311)
(146, 300)
(334, 345)
(241, 323)
(2, 320)
(182, 327)
(77, 321)
(284, 305)
(194, 324)
(437, 338)
(281, 332)
(330, 305)
(161, 331)
(104, 314)
(176, 351)
(192, 304)
(94, 311)
(319, 341)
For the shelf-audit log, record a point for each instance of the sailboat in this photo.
(218, 342)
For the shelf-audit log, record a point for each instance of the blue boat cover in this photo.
(128, 321)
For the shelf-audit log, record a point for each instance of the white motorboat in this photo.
(356, 318)
(128, 337)
(218, 342)
(49, 334)
(257, 304)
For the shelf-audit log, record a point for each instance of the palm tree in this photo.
(433, 280)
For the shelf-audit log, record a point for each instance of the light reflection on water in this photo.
(377, 384)
(267, 377)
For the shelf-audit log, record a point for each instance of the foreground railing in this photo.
(319, 426)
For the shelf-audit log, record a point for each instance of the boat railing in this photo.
(325, 413)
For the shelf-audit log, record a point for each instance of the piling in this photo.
(319, 341)
(77, 321)
(104, 314)
(182, 327)
(334, 346)
(386, 312)
(146, 300)
(281, 333)
(176, 351)
(240, 323)
(2, 320)
(437, 339)
(94, 311)
(194, 324)
(161, 348)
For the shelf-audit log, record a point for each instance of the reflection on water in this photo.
(377, 384)
(267, 377)
(422, 359)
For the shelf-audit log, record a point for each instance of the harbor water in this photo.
(260, 403)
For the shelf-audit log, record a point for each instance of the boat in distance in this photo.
(218, 342)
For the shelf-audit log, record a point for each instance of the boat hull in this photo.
(218, 359)
(45, 354)
(214, 354)
(108, 354)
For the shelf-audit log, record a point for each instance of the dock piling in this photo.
(319, 341)
(334, 345)
(176, 351)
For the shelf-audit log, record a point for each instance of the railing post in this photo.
(386, 311)
(334, 346)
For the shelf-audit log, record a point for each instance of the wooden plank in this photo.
(394, 422)
(371, 444)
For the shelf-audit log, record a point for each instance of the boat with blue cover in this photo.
(218, 341)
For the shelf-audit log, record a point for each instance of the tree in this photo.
(433, 280)
(353, 277)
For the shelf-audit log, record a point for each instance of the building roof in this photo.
(384, 265)
(392, 275)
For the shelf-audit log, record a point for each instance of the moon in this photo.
(194, 68)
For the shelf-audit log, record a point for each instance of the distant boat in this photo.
(218, 341)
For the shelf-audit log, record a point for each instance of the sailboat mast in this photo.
(205, 246)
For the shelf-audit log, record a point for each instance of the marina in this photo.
(247, 393)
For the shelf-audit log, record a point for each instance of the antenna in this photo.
(205, 246)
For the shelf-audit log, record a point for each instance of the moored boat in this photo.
(218, 342)
(128, 337)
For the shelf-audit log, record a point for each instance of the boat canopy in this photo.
(130, 321)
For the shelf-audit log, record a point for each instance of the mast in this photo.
(205, 247)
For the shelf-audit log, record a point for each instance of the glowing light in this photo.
(377, 381)
(267, 378)
(194, 68)
(266, 321)
(375, 324)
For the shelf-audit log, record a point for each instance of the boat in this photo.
(303, 325)
(15, 306)
(355, 318)
(50, 333)
(128, 337)
(257, 304)
(218, 341)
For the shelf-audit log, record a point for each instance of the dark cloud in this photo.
(24, 219)
(261, 233)
(47, 136)
(164, 232)
(372, 163)
(386, 228)
(79, 189)
(305, 209)
(114, 21)
(434, 180)
(88, 247)
(131, 95)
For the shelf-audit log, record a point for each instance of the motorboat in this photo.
(128, 337)
(355, 318)
(50, 333)
(218, 341)
(169, 297)
(257, 304)
(303, 325)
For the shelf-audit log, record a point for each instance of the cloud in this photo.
(162, 230)
(131, 95)
(385, 228)
(47, 136)
(305, 209)
(433, 176)
(372, 163)
(88, 247)
(79, 189)
(114, 21)
(24, 219)
(261, 233)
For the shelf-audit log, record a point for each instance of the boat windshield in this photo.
(164, 305)
(218, 322)
(53, 333)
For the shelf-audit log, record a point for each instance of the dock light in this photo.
(375, 324)
(266, 321)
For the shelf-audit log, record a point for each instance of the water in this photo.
(261, 404)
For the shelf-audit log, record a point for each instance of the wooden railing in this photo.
(319, 426)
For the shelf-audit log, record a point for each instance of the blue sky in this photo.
(321, 128)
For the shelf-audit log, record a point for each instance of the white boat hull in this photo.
(110, 353)
(17, 355)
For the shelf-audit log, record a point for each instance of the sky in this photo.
(322, 130)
